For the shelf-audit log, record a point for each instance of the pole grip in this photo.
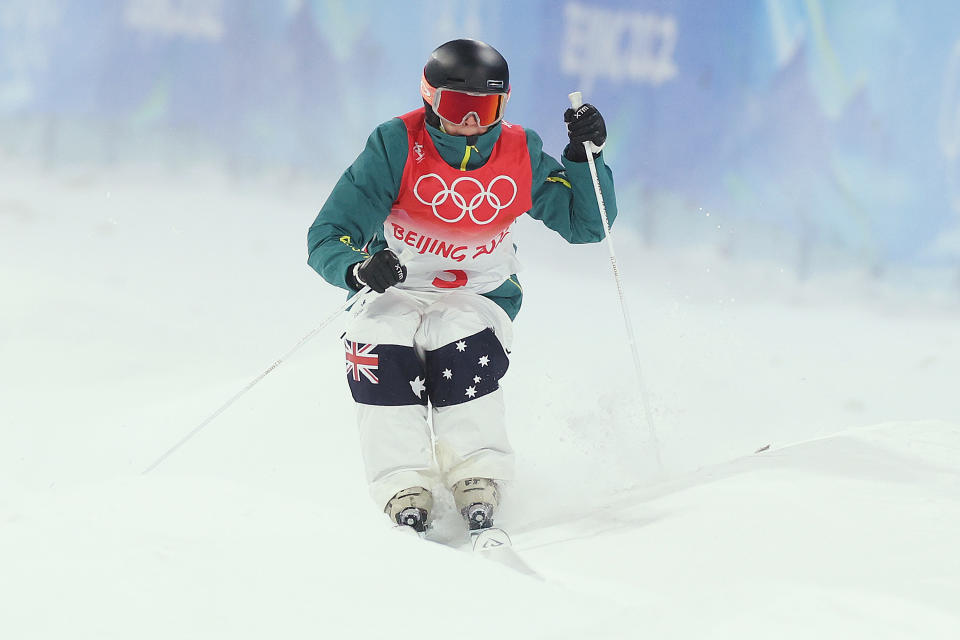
(576, 101)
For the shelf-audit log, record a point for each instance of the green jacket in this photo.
(349, 226)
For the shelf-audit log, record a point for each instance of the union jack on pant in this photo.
(404, 348)
(384, 374)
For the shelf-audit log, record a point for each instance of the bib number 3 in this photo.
(459, 280)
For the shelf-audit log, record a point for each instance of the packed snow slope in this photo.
(134, 306)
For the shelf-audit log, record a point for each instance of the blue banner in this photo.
(831, 123)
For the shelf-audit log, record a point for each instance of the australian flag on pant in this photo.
(466, 369)
(384, 374)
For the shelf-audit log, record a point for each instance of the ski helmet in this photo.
(467, 65)
(463, 77)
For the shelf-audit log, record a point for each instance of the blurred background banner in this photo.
(810, 131)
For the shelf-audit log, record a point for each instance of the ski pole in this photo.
(576, 100)
(346, 305)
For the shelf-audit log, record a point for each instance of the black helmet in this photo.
(467, 65)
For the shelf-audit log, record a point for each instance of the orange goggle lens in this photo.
(456, 106)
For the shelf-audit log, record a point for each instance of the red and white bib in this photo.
(451, 227)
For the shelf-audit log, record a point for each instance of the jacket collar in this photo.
(453, 148)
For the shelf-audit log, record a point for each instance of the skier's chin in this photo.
(464, 129)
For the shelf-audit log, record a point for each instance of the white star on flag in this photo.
(461, 346)
(418, 386)
(447, 374)
(477, 379)
(471, 391)
(484, 361)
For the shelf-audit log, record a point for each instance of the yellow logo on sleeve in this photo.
(347, 240)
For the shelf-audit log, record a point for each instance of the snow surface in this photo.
(133, 306)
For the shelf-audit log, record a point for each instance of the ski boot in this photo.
(476, 498)
(411, 508)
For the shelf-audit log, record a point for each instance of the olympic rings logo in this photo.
(458, 199)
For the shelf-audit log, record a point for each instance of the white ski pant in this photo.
(412, 356)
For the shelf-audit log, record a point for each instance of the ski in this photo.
(490, 543)
(494, 544)
(490, 539)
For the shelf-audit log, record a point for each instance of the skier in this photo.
(423, 217)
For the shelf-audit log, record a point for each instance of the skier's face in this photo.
(470, 127)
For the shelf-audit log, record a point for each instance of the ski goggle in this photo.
(456, 106)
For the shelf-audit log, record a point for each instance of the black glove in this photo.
(584, 125)
(380, 271)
